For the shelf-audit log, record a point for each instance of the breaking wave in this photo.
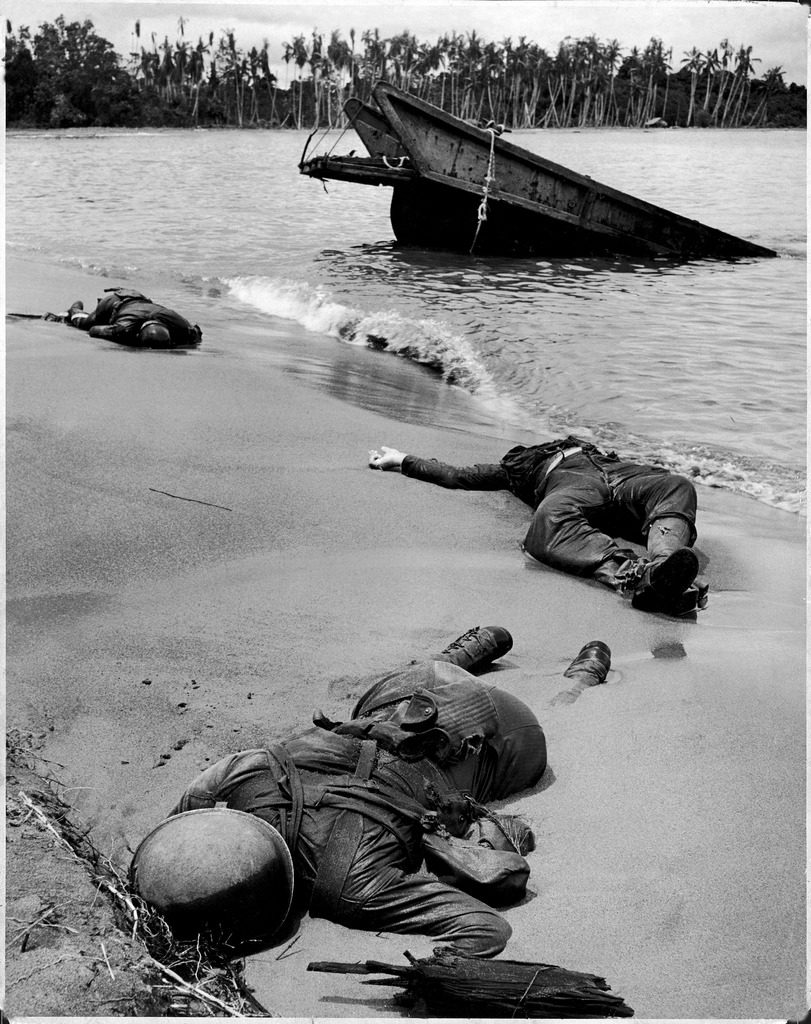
(428, 342)
(435, 345)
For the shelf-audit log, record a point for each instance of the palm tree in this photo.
(375, 55)
(493, 73)
(656, 67)
(235, 72)
(693, 62)
(727, 53)
(316, 62)
(165, 69)
(668, 68)
(575, 57)
(269, 78)
(352, 62)
(773, 82)
(251, 67)
(453, 60)
(611, 57)
(402, 54)
(338, 62)
(181, 64)
(428, 62)
(300, 57)
(196, 69)
(633, 69)
(712, 65)
(472, 58)
(537, 67)
(741, 86)
(589, 53)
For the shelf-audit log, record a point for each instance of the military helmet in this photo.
(216, 870)
(154, 335)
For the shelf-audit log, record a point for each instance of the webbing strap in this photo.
(336, 861)
(292, 824)
(342, 845)
(366, 760)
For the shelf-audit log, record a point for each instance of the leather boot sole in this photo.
(666, 582)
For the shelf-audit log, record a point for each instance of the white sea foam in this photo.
(433, 344)
(771, 484)
(777, 488)
(425, 341)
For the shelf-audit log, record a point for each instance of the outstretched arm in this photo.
(480, 477)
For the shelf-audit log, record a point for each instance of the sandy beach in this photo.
(199, 558)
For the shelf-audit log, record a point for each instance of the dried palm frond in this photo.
(448, 985)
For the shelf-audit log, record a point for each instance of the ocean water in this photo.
(700, 365)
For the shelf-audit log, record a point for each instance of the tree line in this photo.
(65, 75)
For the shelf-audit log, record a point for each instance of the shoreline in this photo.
(148, 636)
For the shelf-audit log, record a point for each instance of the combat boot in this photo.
(694, 599)
(589, 668)
(663, 585)
(594, 659)
(478, 648)
(76, 311)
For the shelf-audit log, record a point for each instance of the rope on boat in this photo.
(324, 134)
(493, 129)
(345, 130)
(394, 167)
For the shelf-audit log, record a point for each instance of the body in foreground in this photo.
(362, 804)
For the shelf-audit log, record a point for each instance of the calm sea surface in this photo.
(702, 364)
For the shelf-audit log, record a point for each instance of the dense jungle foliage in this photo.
(65, 75)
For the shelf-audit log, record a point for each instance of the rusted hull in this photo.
(439, 168)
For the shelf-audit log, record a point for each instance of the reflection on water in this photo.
(405, 391)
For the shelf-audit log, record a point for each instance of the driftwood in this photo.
(456, 986)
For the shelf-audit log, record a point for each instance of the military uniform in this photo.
(121, 314)
(361, 803)
(582, 499)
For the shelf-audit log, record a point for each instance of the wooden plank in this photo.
(373, 129)
(355, 169)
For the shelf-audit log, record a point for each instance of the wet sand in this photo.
(198, 558)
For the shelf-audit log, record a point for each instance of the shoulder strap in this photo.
(366, 760)
(342, 845)
(293, 822)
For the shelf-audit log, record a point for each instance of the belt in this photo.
(559, 457)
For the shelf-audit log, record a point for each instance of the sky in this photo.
(777, 30)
